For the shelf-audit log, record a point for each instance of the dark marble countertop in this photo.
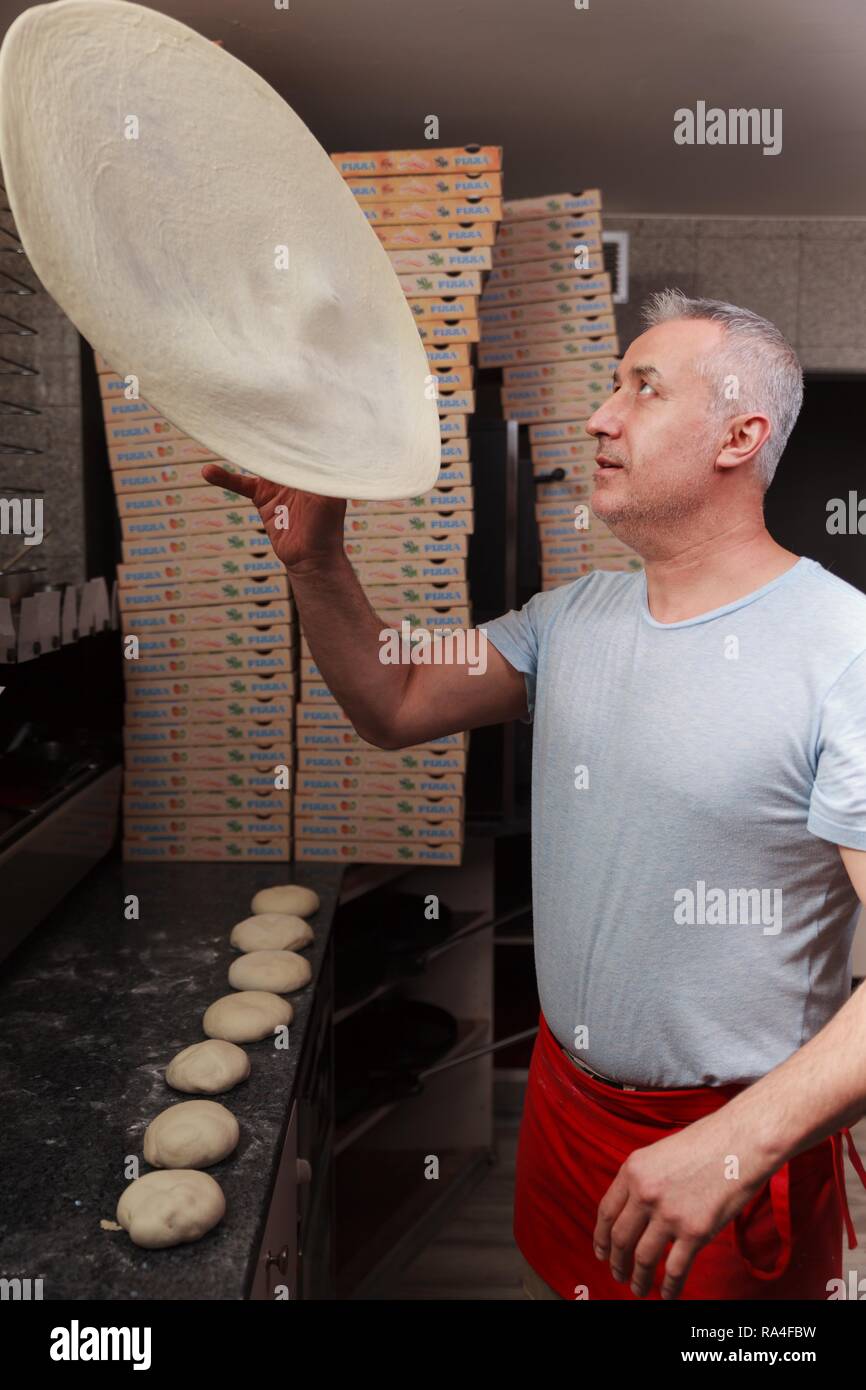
(92, 1008)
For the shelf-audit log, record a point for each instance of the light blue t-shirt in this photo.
(691, 782)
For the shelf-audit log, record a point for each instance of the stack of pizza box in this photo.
(207, 627)
(435, 212)
(547, 321)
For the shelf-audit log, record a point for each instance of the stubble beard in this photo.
(663, 512)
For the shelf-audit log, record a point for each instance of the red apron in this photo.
(577, 1132)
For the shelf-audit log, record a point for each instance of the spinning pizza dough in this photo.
(199, 237)
(246, 1017)
(279, 971)
(194, 1134)
(170, 1208)
(208, 1067)
(286, 897)
(271, 931)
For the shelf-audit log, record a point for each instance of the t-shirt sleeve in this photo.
(518, 634)
(837, 809)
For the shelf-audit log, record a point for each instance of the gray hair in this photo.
(758, 356)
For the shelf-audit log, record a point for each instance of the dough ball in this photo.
(246, 1017)
(271, 931)
(279, 971)
(194, 1134)
(208, 1067)
(288, 897)
(170, 1208)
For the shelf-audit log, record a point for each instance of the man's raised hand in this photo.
(305, 531)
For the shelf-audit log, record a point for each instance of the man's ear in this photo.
(743, 438)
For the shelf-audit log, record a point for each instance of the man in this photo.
(699, 834)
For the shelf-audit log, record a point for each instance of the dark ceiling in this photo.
(577, 97)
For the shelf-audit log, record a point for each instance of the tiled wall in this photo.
(807, 275)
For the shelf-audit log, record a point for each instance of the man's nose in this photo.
(603, 421)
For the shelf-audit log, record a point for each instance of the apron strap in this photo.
(839, 1172)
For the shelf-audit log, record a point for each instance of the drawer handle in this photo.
(281, 1261)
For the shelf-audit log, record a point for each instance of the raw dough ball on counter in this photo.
(280, 971)
(194, 1134)
(208, 1067)
(288, 897)
(246, 1017)
(271, 931)
(163, 1209)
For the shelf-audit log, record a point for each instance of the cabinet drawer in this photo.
(277, 1264)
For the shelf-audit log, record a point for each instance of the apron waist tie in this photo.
(780, 1200)
(839, 1167)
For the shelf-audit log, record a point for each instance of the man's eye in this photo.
(646, 386)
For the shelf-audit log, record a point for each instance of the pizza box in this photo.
(258, 613)
(174, 463)
(202, 568)
(214, 755)
(201, 497)
(549, 311)
(148, 712)
(549, 267)
(184, 735)
(536, 292)
(420, 260)
(551, 351)
(408, 571)
(275, 850)
(404, 807)
(154, 429)
(396, 761)
(547, 332)
(207, 522)
(412, 547)
(244, 686)
(167, 641)
(580, 250)
(404, 524)
(254, 662)
(408, 187)
(212, 803)
(213, 594)
(447, 355)
(432, 211)
(170, 827)
(538, 228)
(221, 781)
(432, 160)
(460, 306)
(406, 830)
(446, 499)
(415, 236)
(553, 204)
(379, 784)
(440, 283)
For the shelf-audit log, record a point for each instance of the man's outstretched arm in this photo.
(392, 705)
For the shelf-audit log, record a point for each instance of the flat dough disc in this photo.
(162, 250)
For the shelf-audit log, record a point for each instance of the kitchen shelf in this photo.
(468, 922)
(471, 1032)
